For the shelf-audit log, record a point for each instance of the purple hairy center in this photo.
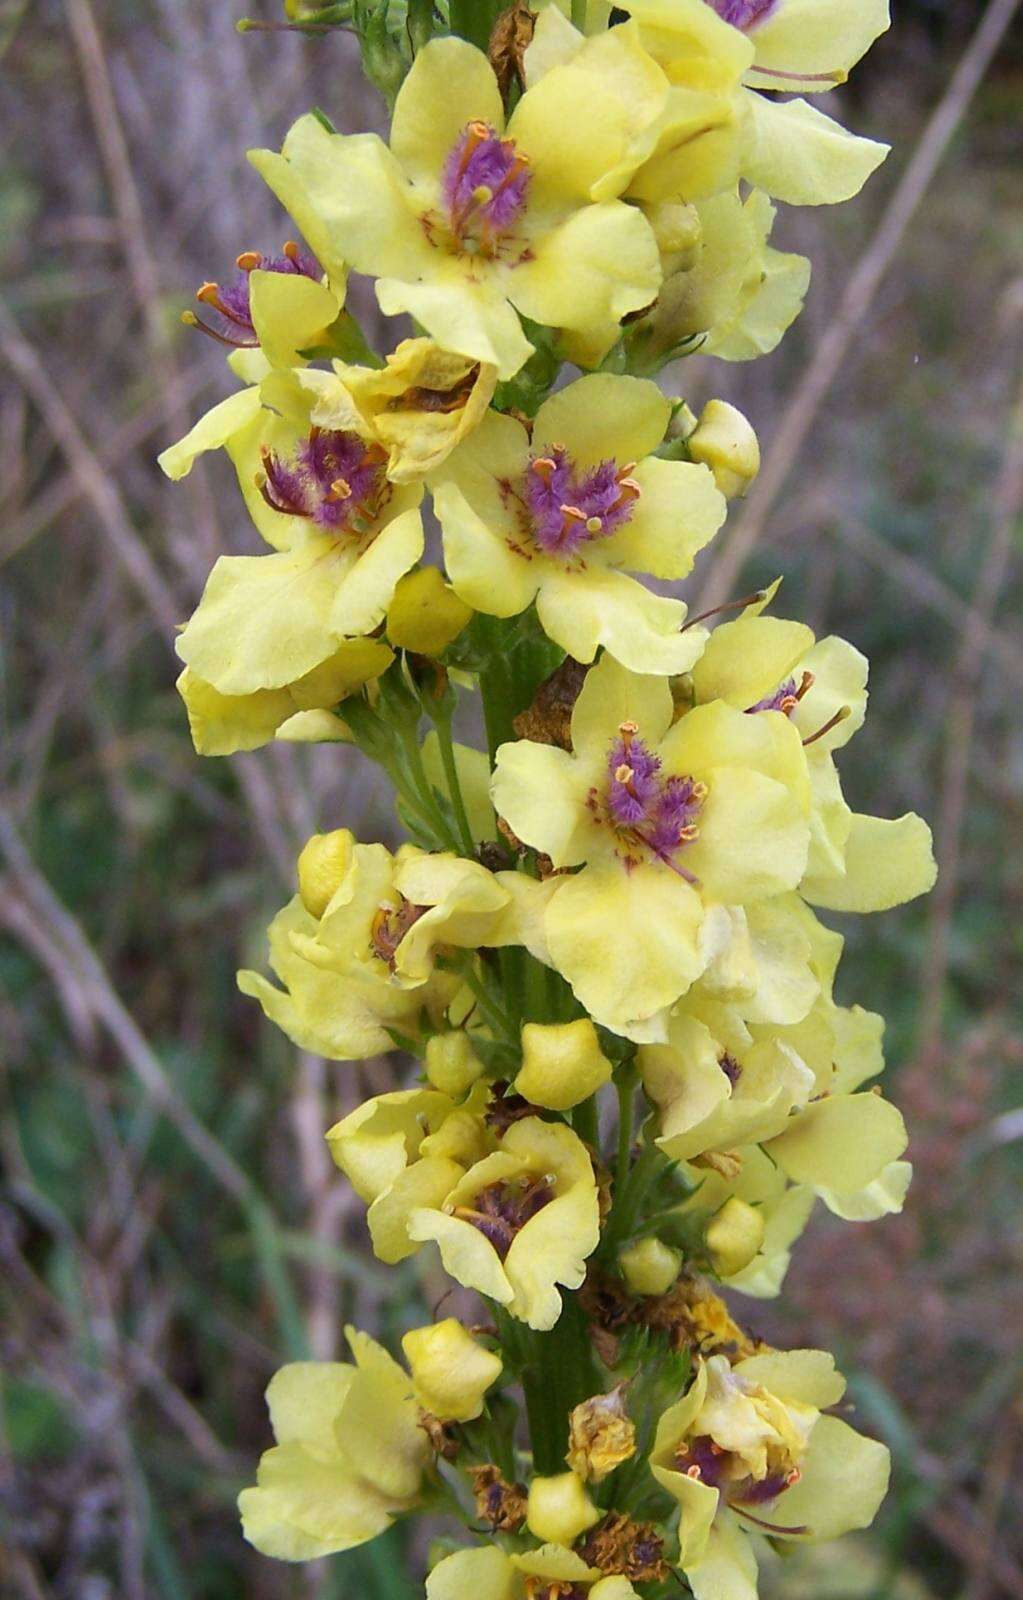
(743, 13)
(231, 301)
(701, 1458)
(567, 507)
(786, 697)
(502, 1210)
(484, 188)
(731, 1068)
(651, 813)
(333, 479)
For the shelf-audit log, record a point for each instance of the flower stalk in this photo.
(602, 944)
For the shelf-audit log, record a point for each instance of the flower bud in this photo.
(321, 867)
(452, 1065)
(450, 1372)
(425, 614)
(733, 1236)
(649, 1266)
(562, 1064)
(725, 442)
(559, 1509)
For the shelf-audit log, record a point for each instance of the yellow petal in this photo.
(747, 660)
(842, 1143)
(603, 417)
(222, 724)
(264, 621)
(799, 155)
(886, 864)
(611, 695)
(473, 1575)
(449, 84)
(365, 588)
(679, 510)
(596, 267)
(627, 942)
(462, 314)
(845, 1478)
(806, 1376)
(211, 432)
(583, 611)
(540, 791)
(562, 1064)
(800, 39)
(282, 174)
(290, 313)
(727, 1570)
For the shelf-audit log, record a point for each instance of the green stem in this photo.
(423, 790)
(448, 762)
(584, 1120)
(628, 1200)
(495, 1017)
(579, 15)
(559, 1376)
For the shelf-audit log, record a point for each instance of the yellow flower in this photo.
(747, 1452)
(787, 148)
(521, 1221)
(549, 1573)
(464, 222)
(555, 515)
(368, 961)
(739, 295)
(451, 1372)
(671, 823)
(343, 534)
(420, 404)
(404, 1150)
(766, 664)
(762, 1243)
(349, 1456)
(222, 724)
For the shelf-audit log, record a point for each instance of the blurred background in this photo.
(171, 1227)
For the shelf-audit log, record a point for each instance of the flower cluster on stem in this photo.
(601, 942)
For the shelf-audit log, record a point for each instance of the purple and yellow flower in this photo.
(466, 221)
(554, 514)
(670, 824)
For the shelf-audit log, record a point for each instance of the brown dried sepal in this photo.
(601, 1435)
(548, 720)
(690, 1315)
(442, 1441)
(510, 38)
(501, 1505)
(633, 1550)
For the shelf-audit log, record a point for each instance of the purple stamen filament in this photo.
(503, 1209)
(484, 188)
(566, 508)
(231, 301)
(334, 479)
(650, 813)
(707, 1462)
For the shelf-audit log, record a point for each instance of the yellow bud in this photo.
(562, 1064)
(452, 1064)
(450, 1372)
(559, 1509)
(649, 1266)
(425, 613)
(733, 1236)
(322, 865)
(725, 442)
